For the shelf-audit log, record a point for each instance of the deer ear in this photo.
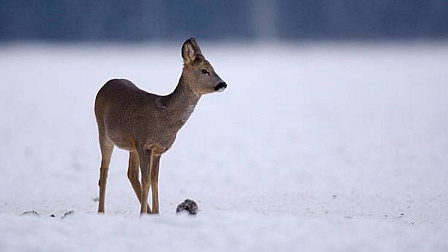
(190, 49)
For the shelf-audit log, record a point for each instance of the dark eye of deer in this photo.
(204, 71)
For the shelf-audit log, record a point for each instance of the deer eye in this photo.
(204, 71)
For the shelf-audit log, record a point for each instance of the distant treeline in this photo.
(137, 20)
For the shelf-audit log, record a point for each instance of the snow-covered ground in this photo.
(328, 147)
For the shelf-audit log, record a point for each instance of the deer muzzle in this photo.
(221, 87)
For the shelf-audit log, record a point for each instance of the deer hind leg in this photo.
(106, 147)
(146, 158)
(133, 176)
(155, 184)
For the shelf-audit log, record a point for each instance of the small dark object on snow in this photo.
(71, 212)
(188, 205)
(52, 215)
(32, 212)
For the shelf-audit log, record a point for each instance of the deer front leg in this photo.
(133, 176)
(146, 158)
(155, 185)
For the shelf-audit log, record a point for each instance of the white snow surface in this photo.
(312, 147)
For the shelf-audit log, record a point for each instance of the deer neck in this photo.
(180, 104)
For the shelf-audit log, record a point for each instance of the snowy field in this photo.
(327, 147)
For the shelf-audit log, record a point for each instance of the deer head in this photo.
(199, 74)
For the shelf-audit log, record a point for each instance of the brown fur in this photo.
(146, 124)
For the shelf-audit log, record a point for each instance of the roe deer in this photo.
(146, 124)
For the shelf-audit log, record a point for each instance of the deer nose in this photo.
(221, 86)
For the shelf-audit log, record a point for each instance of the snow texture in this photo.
(326, 147)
